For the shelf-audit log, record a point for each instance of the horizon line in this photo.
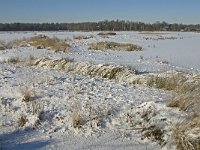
(131, 21)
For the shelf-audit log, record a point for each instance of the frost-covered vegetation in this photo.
(87, 99)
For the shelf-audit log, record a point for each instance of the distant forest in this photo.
(114, 25)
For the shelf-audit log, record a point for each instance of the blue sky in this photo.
(149, 11)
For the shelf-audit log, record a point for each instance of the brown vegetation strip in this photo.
(43, 41)
(82, 37)
(39, 42)
(114, 46)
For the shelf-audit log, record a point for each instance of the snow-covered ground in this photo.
(114, 115)
(180, 50)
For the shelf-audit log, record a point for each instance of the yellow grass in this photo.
(187, 135)
(49, 43)
(187, 98)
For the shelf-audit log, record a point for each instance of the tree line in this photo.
(114, 25)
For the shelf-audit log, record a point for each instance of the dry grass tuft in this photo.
(13, 60)
(114, 46)
(16, 44)
(39, 42)
(36, 108)
(42, 41)
(22, 121)
(161, 38)
(30, 60)
(186, 91)
(81, 37)
(112, 73)
(187, 135)
(187, 98)
(163, 61)
(167, 83)
(154, 133)
(2, 46)
(26, 94)
(77, 119)
(106, 34)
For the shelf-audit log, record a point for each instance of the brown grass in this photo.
(186, 91)
(154, 133)
(106, 34)
(77, 119)
(187, 98)
(187, 134)
(81, 37)
(15, 44)
(22, 121)
(2, 46)
(43, 41)
(167, 83)
(13, 60)
(39, 42)
(114, 46)
(163, 61)
(26, 94)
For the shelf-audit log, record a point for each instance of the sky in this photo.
(148, 11)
